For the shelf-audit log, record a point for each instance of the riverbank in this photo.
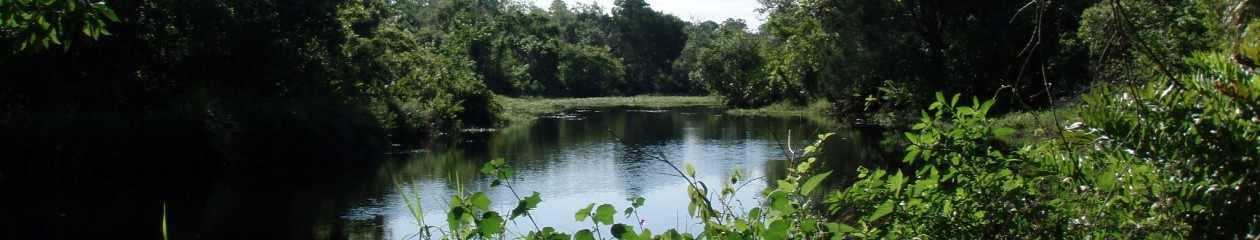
(524, 110)
(1034, 126)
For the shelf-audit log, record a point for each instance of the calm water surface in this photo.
(605, 156)
(573, 159)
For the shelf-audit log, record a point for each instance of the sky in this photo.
(691, 10)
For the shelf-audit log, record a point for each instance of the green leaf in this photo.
(585, 234)
(914, 138)
(809, 225)
(895, 182)
(532, 200)
(984, 108)
(583, 213)
(940, 97)
(778, 230)
(481, 201)
(881, 211)
(1003, 131)
(524, 205)
(487, 168)
(691, 170)
(911, 155)
(491, 224)
(638, 202)
(164, 236)
(622, 231)
(109, 13)
(454, 217)
(604, 214)
(813, 182)
(786, 186)
(505, 173)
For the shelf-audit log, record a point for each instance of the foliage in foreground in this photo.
(1174, 158)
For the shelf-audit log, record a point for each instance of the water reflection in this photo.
(605, 155)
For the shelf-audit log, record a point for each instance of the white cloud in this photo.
(691, 10)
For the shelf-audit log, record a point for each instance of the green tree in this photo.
(589, 71)
(732, 67)
(649, 41)
(39, 25)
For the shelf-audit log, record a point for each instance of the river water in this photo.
(571, 159)
(607, 155)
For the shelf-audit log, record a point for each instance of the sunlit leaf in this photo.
(881, 211)
(813, 182)
(583, 213)
(481, 201)
(691, 170)
(604, 214)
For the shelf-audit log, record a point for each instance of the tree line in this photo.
(230, 73)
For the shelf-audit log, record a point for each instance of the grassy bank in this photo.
(1033, 126)
(524, 110)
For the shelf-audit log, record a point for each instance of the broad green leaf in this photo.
(984, 108)
(911, 155)
(881, 210)
(786, 186)
(491, 224)
(481, 201)
(454, 217)
(585, 234)
(583, 213)
(532, 200)
(604, 214)
(914, 138)
(524, 205)
(646, 234)
(107, 12)
(778, 230)
(895, 182)
(622, 231)
(809, 225)
(966, 111)
(487, 168)
(813, 182)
